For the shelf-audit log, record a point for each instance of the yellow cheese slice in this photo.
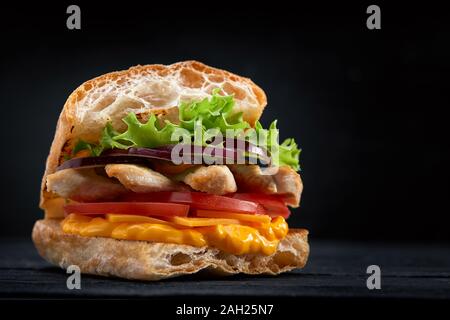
(235, 238)
(202, 222)
(231, 215)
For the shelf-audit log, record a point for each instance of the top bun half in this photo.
(143, 90)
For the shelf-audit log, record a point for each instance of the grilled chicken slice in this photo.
(141, 179)
(83, 185)
(216, 179)
(285, 181)
(251, 178)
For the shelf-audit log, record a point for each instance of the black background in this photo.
(366, 106)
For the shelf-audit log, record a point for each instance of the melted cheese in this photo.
(245, 238)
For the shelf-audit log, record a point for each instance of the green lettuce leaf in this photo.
(147, 135)
(83, 145)
(212, 113)
(285, 154)
(208, 116)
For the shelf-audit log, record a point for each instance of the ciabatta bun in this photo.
(142, 89)
(142, 260)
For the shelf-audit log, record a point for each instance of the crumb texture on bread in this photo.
(143, 90)
(143, 260)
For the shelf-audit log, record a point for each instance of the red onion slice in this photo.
(142, 155)
(91, 162)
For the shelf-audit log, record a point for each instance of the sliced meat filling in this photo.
(83, 185)
(141, 179)
(215, 179)
(86, 185)
(285, 181)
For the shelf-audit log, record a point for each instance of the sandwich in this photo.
(161, 171)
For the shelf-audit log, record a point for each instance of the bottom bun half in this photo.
(142, 260)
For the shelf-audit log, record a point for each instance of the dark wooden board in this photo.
(335, 269)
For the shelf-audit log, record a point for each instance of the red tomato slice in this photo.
(273, 204)
(137, 208)
(199, 200)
